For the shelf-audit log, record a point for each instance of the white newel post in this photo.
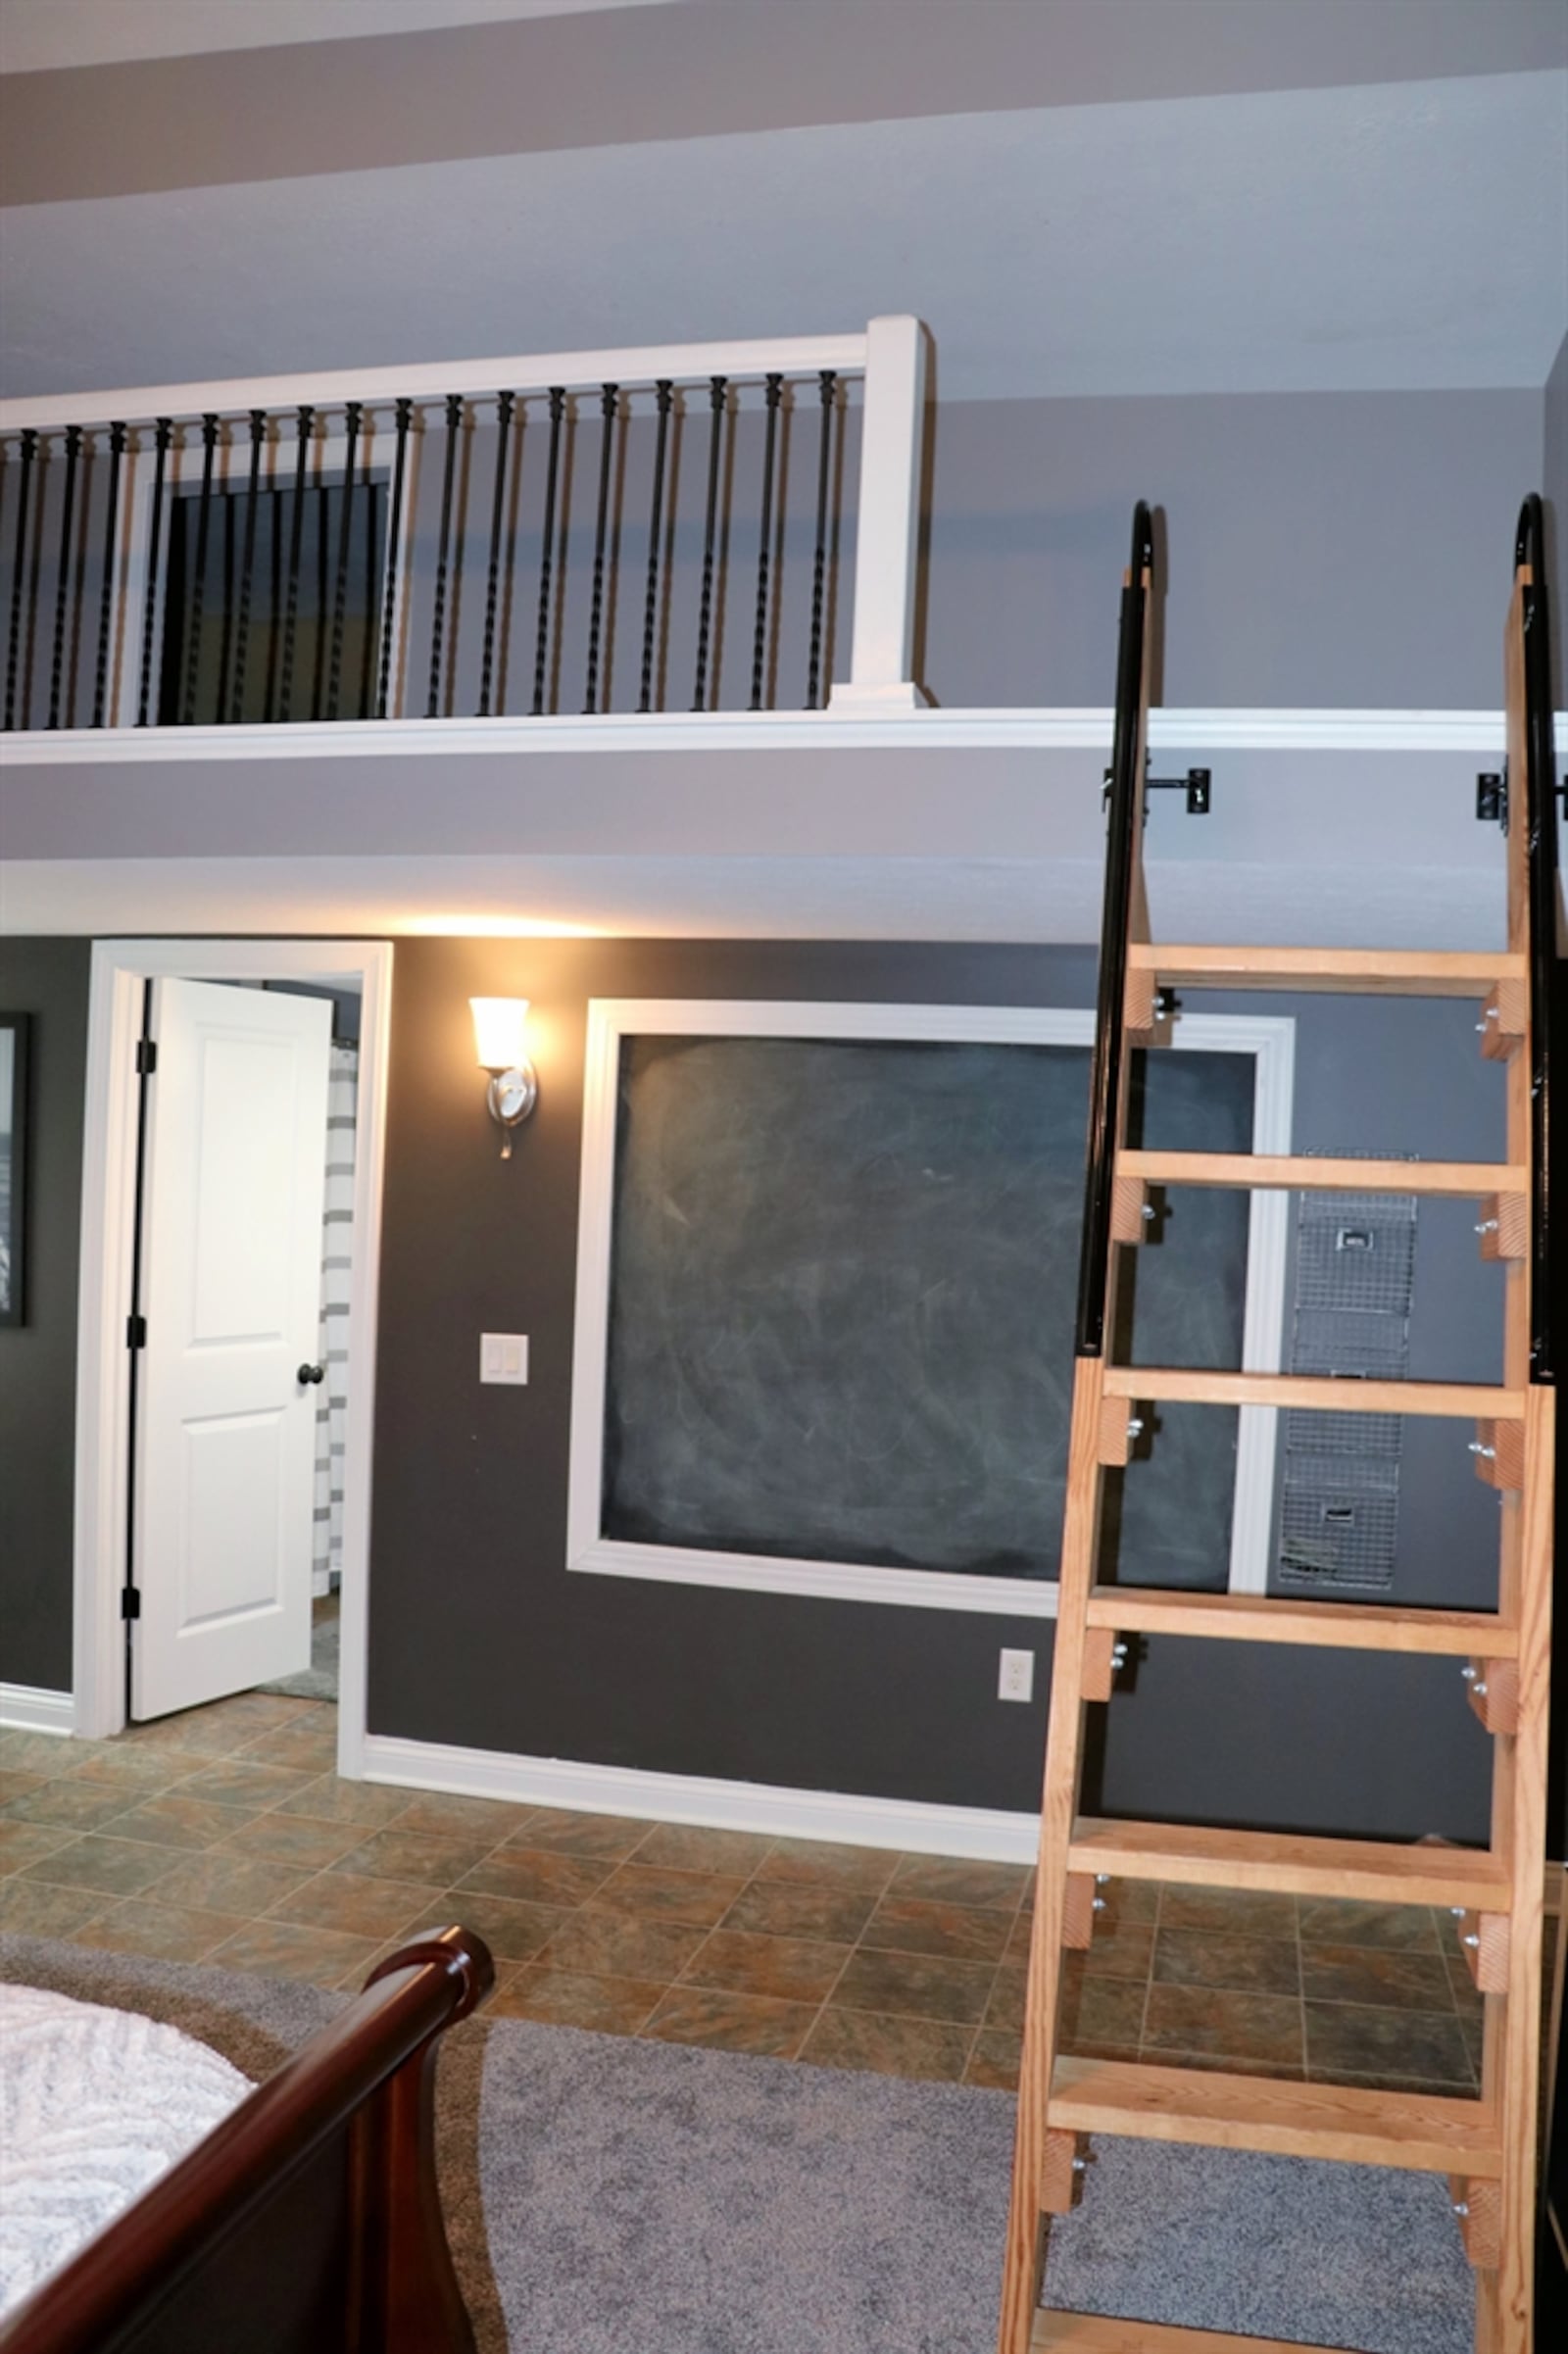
(888, 525)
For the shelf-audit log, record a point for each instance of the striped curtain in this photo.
(337, 1252)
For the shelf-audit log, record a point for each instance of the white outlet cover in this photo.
(1015, 1677)
(504, 1358)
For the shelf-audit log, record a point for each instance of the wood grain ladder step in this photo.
(1198, 1856)
(1330, 1626)
(1380, 972)
(1180, 1385)
(1464, 1180)
(1058, 2332)
(1427, 2132)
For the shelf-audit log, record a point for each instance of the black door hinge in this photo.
(129, 1601)
(146, 1057)
(135, 1332)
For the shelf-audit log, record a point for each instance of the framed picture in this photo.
(14, 1037)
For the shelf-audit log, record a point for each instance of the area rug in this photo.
(318, 1681)
(603, 2192)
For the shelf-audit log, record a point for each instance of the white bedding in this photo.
(94, 2105)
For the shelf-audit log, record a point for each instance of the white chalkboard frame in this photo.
(1269, 1039)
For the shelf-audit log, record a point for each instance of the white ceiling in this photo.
(36, 34)
(1377, 238)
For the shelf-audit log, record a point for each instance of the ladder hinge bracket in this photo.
(1479, 2208)
(1492, 798)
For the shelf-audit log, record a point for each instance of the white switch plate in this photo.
(504, 1357)
(1015, 1679)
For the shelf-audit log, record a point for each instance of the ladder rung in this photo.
(1332, 1626)
(1469, 1180)
(1058, 2332)
(1364, 1869)
(1425, 2131)
(1465, 1402)
(1373, 972)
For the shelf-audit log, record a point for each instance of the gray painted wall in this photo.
(48, 979)
(1555, 487)
(480, 1636)
(1341, 549)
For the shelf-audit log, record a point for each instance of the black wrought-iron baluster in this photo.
(827, 384)
(29, 443)
(664, 391)
(609, 401)
(432, 708)
(394, 531)
(56, 657)
(368, 629)
(774, 393)
(717, 401)
(274, 601)
(498, 506)
(353, 410)
(226, 642)
(541, 652)
(106, 596)
(247, 568)
(324, 511)
(162, 432)
(296, 542)
(198, 586)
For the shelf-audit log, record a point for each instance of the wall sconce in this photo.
(500, 1033)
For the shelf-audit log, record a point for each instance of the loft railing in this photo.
(651, 530)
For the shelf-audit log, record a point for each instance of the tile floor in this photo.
(223, 1835)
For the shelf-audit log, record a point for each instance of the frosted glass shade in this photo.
(499, 1032)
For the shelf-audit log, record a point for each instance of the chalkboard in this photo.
(842, 1285)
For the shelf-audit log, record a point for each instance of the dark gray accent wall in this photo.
(1554, 490)
(48, 979)
(480, 1636)
(1348, 549)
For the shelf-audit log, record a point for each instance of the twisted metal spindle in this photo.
(161, 433)
(433, 708)
(198, 586)
(367, 631)
(106, 596)
(541, 650)
(247, 568)
(665, 392)
(353, 412)
(609, 401)
(827, 384)
(718, 399)
(29, 443)
(68, 509)
(394, 528)
(275, 598)
(305, 417)
(774, 393)
(324, 517)
(498, 509)
(226, 642)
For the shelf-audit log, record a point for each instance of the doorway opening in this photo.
(231, 1244)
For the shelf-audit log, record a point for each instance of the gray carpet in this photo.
(696, 2202)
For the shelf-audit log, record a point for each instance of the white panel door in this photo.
(230, 1289)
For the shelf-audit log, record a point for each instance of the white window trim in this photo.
(1270, 1040)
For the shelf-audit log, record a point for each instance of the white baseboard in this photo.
(926, 1829)
(35, 1711)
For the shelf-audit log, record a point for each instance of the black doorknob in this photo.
(311, 1373)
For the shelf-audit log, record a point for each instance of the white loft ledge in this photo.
(1082, 729)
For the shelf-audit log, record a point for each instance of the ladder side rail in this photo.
(1122, 846)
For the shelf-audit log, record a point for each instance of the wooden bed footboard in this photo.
(309, 2221)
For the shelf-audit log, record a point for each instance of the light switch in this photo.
(504, 1357)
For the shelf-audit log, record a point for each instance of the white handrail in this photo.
(533, 371)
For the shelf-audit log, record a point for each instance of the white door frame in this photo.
(120, 969)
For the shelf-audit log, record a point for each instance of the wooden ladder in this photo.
(1487, 2148)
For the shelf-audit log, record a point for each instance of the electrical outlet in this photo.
(1015, 1679)
(504, 1357)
